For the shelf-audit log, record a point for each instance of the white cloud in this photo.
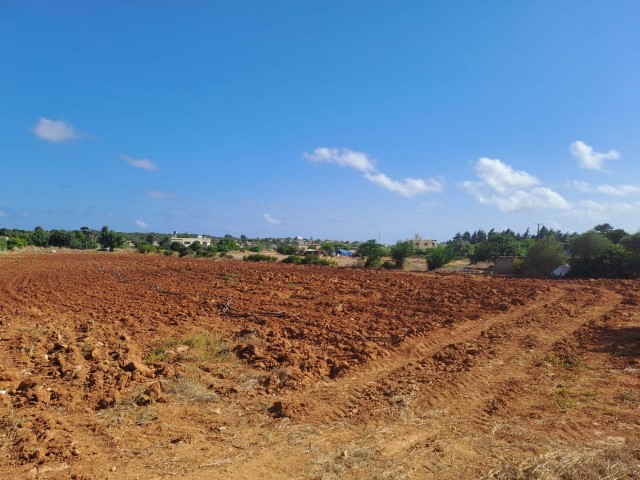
(596, 211)
(2, 214)
(160, 195)
(507, 189)
(142, 163)
(620, 190)
(344, 157)
(502, 177)
(409, 187)
(54, 130)
(141, 224)
(590, 159)
(270, 219)
(580, 186)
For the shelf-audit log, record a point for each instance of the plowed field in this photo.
(129, 366)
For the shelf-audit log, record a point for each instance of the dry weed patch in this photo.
(199, 347)
(611, 463)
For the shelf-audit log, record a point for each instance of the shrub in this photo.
(614, 262)
(313, 260)
(373, 251)
(437, 257)
(308, 260)
(544, 256)
(295, 259)
(16, 242)
(259, 257)
(147, 248)
(401, 251)
(589, 245)
(287, 249)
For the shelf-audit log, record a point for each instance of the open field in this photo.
(132, 366)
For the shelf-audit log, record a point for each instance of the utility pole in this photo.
(538, 231)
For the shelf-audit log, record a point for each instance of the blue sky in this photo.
(347, 120)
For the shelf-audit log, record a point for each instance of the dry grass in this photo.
(606, 463)
(127, 414)
(362, 459)
(185, 389)
(201, 347)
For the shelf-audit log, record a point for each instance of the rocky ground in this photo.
(133, 366)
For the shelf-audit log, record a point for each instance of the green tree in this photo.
(86, 231)
(287, 249)
(631, 242)
(460, 248)
(327, 247)
(616, 234)
(437, 257)
(227, 244)
(165, 241)
(196, 246)
(544, 256)
(40, 237)
(588, 245)
(603, 227)
(401, 251)
(59, 238)
(372, 251)
(110, 239)
(497, 245)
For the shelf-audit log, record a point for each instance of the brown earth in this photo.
(132, 366)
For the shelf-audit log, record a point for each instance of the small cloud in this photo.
(344, 157)
(160, 195)
(431, 204)
(588, 158)
(55, 131)
(270, 219)
(141, 224)
(2, 214)
(580, 186)
(141, 163)
(620, 190)
(597, 211)
(510, 190)
(502, 177)
(409, 187)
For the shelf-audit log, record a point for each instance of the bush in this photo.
(373, 251)
(631, 242)
(437, 257)
(589, 245)
(544, 256)
(147, 248)
(308, 260)
(313, 260)
(615, 262)
(16, 242)
(295, 259)
(287, 249)
(259, 257)
(400, 252)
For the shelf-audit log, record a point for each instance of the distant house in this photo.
(186, 241)
(420, 244)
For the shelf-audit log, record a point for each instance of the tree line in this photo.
(603, 251)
